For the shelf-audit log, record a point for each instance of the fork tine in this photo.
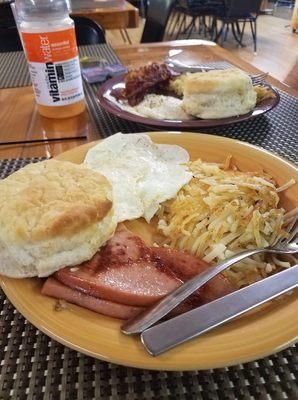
(258, 83)
(293, 237)
(293, 230)
(260, 76)
(258, 79)
(289, 229)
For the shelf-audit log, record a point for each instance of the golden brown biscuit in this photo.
(218, 94)
(52, 214)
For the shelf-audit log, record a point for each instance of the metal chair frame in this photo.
(228, 19)
(180, 13)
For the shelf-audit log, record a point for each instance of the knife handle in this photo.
(191, 324)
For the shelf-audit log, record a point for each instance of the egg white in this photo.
(143, 174)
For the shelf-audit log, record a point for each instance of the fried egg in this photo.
(143, 173)
(155, 106)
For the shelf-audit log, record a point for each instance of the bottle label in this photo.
(54, 67)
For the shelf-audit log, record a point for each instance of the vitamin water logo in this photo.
(51, 77)
(53, 63)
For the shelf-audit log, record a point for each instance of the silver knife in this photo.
(191, 324)
(153, 314)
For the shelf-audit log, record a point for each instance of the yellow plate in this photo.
(254, 336)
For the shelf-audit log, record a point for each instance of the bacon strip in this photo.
(147, 79)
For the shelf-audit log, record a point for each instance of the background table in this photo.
(121, 16)
(19, 119)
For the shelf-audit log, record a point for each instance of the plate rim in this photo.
(187, 124)
(208, 135)
(142, 363)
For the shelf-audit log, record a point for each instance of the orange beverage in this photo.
(63, 111)
(49, 42)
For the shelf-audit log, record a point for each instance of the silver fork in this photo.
(259, 79)
(181, 67)
(152, 315)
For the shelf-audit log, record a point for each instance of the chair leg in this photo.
(220, 32)
(213, 29)
(175, 24)
(185, 26)
(238, 28)
(253, 28)
(205, 26)
(202, 27)
(123, 36)
(127, 36)
(170, 24)
(235, 34)
(227, 31)
(255, 41)
(180, 27)
(224, 34)
(193, 22)
(170, 21)
(242, 31)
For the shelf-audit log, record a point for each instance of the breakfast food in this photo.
(158, 106)
(263, 93)
(155, 91)
(143, 173)
(52, 214)
(176, 84)
(127, 273)
(218, 94)
(54, 288)
(64, 220)
(155, 106)
(150, 78)
(222, 211)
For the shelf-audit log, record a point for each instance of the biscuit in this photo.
(52, 214)
(218, 94)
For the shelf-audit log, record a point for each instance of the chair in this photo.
(88, 31)
(158, 13)
(9, 36)
(195, 10)
(10, 40)
(6, 15)
(235, 12)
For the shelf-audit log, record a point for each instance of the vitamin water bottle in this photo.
(49, 42)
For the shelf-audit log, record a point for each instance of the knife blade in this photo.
(191, 324)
